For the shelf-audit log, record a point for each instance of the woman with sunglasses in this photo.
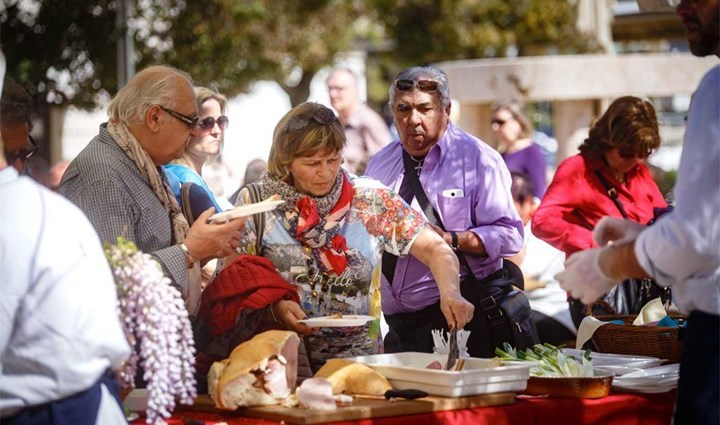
(206, 142)
(516, 146)
(326, 242)
(610, 165)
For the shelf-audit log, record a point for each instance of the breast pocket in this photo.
(454, 212)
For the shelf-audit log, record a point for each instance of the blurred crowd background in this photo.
(563, 61)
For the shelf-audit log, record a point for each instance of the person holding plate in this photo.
(325, 241)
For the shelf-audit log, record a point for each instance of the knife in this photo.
(453, 351)
(408, 394)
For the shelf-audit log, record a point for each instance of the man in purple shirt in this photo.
(468, 185)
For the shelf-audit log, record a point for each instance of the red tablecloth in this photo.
(616, 409)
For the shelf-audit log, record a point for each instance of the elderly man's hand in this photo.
(457, 310)
(582, 277)
(617, 231)
(213, 240)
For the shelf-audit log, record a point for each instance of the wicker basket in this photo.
(653, 341)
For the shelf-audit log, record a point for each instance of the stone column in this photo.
(474, 118)
(571, 120)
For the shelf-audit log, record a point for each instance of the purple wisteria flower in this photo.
(157, 326)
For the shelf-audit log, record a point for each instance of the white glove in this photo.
(619, 231)
(582, 277)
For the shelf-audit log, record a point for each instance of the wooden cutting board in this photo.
(362, 408)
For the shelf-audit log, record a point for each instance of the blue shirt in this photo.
(179, 174)
(480, 202)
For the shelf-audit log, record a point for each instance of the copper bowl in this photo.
(597, 386)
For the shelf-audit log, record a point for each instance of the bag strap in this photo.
(612, 193)
(255, 195)
(583, 222)
(185, 205)
(432, 215)
(497, 319)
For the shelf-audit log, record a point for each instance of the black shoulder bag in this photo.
(506, 309)
(629, 296)
(193, 201)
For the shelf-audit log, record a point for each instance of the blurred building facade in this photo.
(645, 55)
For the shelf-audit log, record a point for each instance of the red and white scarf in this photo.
(315, 228)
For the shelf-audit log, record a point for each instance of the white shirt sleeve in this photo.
(682, 249)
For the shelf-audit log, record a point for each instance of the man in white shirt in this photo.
(60, 333)
(365, 129)
(682, 249)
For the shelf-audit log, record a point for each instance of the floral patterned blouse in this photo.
(379, 220)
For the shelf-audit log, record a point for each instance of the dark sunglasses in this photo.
(323, 116)
(498, 121)
(188, 121)
(23, 154)
(208, 123)
(422, 85)
(633, 154)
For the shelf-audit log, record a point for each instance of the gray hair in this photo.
(422, 73)
(154, 85)
(345, 70)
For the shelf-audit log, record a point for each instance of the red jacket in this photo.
(248, 282)
(576, 189)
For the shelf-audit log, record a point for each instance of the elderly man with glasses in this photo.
(463, 188)
(117, 180)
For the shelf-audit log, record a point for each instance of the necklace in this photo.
(418, 163)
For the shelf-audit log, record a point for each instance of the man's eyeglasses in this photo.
(422, 85)
(498, 122)
(323, 116)
(23, 154)
(188, 121)
(208, 123)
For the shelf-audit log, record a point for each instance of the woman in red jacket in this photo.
(610, 164)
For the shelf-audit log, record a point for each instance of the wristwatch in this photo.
(454, 241)
(189, 260)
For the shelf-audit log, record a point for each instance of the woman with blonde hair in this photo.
(516, 147)
(205, 143)
(326, 241)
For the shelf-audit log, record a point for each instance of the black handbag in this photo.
(629, 296)
(507, 309)
(193, 201)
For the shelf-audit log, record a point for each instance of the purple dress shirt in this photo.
(466, 167)
(532, 162)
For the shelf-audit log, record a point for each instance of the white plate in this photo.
(331, 322)
(663, 375)
(652, 380)
(653, 389)
(671, 369)
(245, 210)
(607, 359)
(619, 370)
